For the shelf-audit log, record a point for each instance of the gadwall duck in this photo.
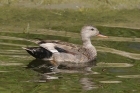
(58, 52)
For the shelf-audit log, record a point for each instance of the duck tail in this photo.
(38, 52)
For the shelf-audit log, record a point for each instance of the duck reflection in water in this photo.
(46, 71)
(46, 67)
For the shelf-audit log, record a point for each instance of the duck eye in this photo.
(92, 29)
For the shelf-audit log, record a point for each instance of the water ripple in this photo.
(129, 76)
(103, 64)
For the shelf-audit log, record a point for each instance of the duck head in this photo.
(89, 31)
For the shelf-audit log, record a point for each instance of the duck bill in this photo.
(100, 35)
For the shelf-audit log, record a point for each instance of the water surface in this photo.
(21, 73)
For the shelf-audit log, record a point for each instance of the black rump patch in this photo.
(39, 52)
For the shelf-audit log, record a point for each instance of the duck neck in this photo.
(86, 42)
(90, 49)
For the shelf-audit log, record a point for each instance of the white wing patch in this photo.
(49, 46)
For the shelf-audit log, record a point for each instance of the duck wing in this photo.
(48, 47)
(60, 46)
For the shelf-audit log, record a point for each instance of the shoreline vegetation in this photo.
(61, 14)
(112, 4)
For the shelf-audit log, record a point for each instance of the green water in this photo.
(112, 74)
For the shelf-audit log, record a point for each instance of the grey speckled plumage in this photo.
(66, 53)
